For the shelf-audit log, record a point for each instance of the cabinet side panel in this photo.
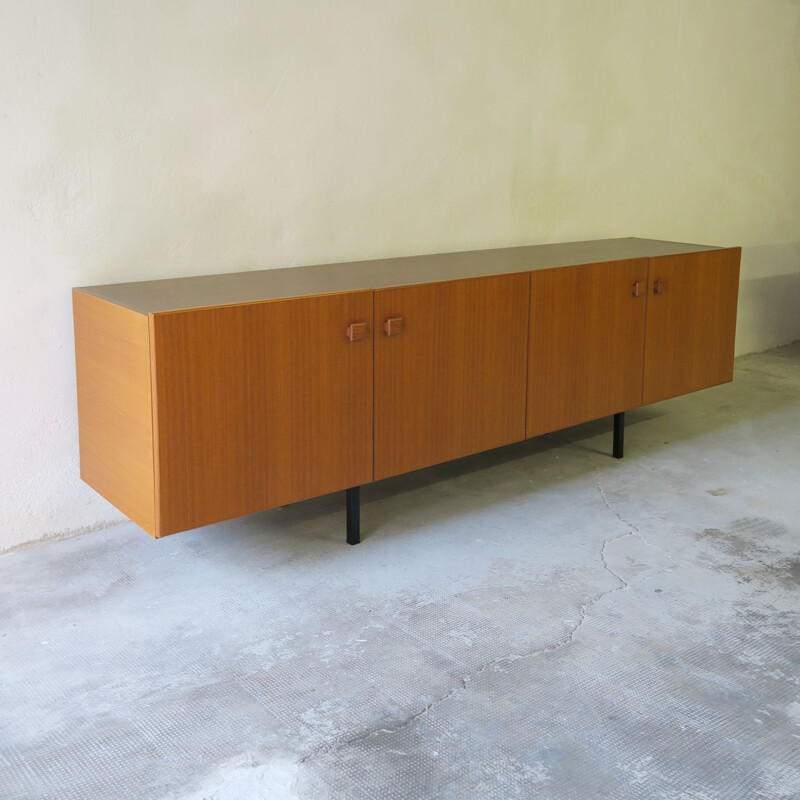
(586, 347)
(691, 322)
(115, 427)
(260, 405)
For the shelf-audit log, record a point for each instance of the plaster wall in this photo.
(149, 139)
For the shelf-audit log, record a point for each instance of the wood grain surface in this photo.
(260, 405)
(586, 346)
(691, 323)
(453, 381)
(115, 429)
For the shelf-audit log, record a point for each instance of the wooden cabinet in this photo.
(586, 343)
(212, 413)
(450, 374)
(259, 405)
(202, 399)
(691, 322)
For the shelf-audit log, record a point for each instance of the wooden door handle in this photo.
(393, 326)
(635, 290)
(356, 331)
(660, 286)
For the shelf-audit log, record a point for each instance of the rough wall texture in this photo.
(144, 140)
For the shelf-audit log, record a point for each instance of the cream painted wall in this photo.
(151, 139)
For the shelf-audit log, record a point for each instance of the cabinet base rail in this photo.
(353, 499)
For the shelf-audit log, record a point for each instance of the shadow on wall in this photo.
(769, 306)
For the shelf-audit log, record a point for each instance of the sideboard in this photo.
(207, 398)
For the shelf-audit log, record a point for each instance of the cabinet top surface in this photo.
(175, 294)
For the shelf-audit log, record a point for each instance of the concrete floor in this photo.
(536, 622)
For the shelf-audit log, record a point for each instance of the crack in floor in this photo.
(464, 681)
(634, 529)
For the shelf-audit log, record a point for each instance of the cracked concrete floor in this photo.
(536, 622)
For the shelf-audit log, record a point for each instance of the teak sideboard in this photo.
(203, 399)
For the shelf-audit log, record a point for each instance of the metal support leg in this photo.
(353, 506)
(619, 434)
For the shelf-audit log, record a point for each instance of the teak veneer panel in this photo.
(453, 381)
(691, 323)
(260, 405)
(586, 343)
(115, 425)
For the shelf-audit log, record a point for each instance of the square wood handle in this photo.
(393, 326)
(356, 330)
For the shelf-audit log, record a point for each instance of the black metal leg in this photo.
(353, 506)
(619, 434)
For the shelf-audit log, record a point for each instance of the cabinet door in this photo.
(586, 343)
(691, 322)
(449, 370)
(260, 405)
